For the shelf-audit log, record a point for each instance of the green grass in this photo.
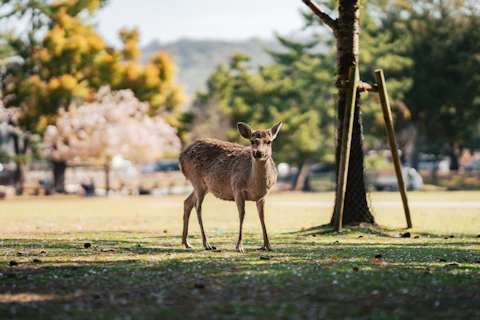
(137, 269)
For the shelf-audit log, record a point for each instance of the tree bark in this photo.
(454, 165)
(297, 176)
(356, 208)
(418, 145)
(59, 168)
(20, 161)
(107, 178)
(301, 177)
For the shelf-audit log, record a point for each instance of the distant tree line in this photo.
(428, 51)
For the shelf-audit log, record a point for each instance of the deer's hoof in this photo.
(240, 249)
(266, 248)
(187, 245)
(209, 247)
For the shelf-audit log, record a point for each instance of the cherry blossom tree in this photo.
(9, 129)
(115, 123)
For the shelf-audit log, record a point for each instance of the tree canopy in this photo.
(295, 90)
(69, 62)
(114, 123)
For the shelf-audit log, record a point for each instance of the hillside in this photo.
(196, 59)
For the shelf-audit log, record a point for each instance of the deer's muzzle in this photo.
(257, 154)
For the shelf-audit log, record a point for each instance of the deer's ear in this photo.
(245, 130)
(274, 130)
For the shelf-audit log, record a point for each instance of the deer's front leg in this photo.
(266, 242)
(240, 201)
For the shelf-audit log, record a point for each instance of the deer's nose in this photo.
(257, 154)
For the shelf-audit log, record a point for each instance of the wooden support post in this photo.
(392, 141)
(345, 148)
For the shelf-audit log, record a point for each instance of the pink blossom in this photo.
(115, 123)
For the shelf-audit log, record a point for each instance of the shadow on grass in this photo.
(366, 228)
(304, 278)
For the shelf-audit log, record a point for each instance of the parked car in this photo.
(429, 162)
(473, 165)
(162, 177)
(162, 166)
(386, 179)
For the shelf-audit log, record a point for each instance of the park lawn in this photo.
(136, 268)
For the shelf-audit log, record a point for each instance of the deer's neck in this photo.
(263, 174)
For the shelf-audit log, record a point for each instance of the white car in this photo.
(387, 179)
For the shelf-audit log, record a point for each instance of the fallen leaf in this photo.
(20, 253)
(13, 263)
(265, 258)
(360, 236)
(378, 256)
(36, 261)
(334, 258)
(87, 245)
(406, 235)
(416, 237)
(217, 250)
(356, 269)
(375, 260)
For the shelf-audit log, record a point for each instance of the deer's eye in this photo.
(268, 142)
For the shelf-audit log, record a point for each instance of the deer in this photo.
(230, 172)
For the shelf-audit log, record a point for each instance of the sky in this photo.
(199, 19)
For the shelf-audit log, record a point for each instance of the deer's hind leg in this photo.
(200, 192)
(188, 205)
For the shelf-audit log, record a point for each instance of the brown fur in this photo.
(230, 172)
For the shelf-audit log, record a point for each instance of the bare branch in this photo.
(361, 87)
(365, 87)
(322, 15)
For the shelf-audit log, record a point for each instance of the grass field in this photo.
(136, 268)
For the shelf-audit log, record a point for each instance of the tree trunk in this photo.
(356, 208)
(301, 177)
(107, 178)
(453, 153)
(59, 168)
(417, 146)
(20, 161)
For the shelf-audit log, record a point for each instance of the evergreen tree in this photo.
(444, 41)
(295, 90)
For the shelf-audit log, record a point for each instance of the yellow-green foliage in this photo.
(72, 61)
